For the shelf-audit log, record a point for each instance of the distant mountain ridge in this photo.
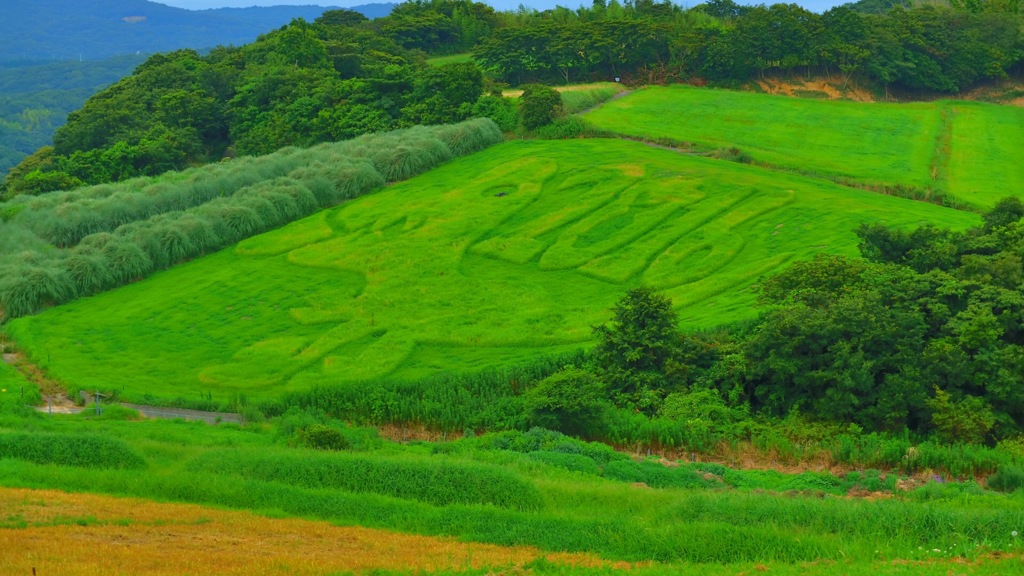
(96, 29)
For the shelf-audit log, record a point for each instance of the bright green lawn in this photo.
(491, 259)
(452, 59)
(987, 160)
(890, 144)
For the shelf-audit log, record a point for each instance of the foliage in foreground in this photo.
(773, 517)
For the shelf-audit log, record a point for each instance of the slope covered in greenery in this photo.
(496, 257)
(65, 30)
(36, 97)
(537, 488)
(963, 153)
(60, 246)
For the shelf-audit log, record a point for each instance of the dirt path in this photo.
(56, 401)
(625, 92)
(185, 414)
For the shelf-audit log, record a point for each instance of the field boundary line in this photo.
(913, 193)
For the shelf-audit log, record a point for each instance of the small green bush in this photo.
(321, 437)
(571, 462)
(1008, 478)
(539, 105)
(569, 127)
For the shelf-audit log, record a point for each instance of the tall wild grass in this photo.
(63, 245)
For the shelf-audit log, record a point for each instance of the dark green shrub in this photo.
(569, 127)
(539, 105)
(571, 462)
(321, 437)
(1009, 478)
(501, 111)
(570, 400)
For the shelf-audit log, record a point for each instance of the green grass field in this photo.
(970, 151)
(490, 259)
(448, 489)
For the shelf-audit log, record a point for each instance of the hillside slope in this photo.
(964, 154)
(493, 258)
(35, 99)
(64, 29)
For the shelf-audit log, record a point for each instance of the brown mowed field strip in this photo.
(85, 534)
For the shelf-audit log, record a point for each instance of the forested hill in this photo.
(341, 75)
(36, 97)
(69, 29)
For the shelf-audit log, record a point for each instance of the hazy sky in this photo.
(815, 5)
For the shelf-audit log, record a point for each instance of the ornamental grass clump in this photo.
(468, 137)
(29, 286)
(90, 269)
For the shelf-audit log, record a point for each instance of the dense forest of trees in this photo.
(36, 98)
(100, 29)
(343, 75)
(332, 79)
(928, 48)
(925, 332)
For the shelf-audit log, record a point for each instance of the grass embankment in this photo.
(577, 98)
(85, 534)
(740, 518)
(492, 259)
(967, 153)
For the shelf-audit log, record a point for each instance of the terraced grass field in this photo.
(968, 150)
(86, 534)
(491, 259)
(249, 500)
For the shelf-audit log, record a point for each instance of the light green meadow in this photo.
(987, 152)
(970, 151)
(450, 59)
(491, 259)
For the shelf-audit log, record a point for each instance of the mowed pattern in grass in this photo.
(969, 150)
(986, 160)
(491, 259)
